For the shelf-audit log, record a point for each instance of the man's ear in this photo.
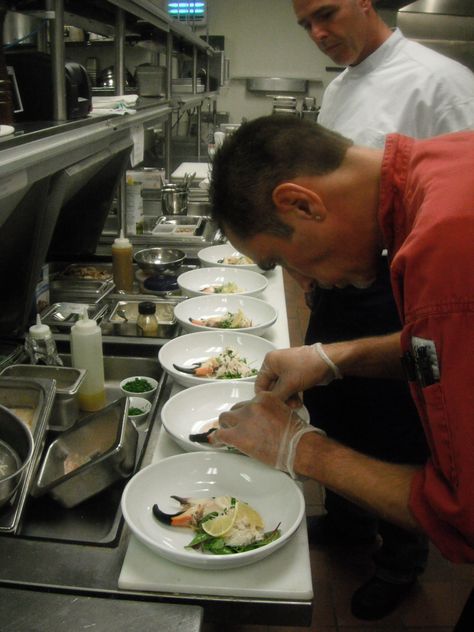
(293, 199)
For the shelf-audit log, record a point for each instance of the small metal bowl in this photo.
(155, 260)
(16, 450)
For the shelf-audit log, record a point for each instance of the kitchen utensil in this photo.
(276, 497)
(189, 349)
(245, 282)
(65, 410)
(260, 314)
(16, 450)
(154, 260)
(196, 410)
(174, 199)
(90, 457)
(215, 256)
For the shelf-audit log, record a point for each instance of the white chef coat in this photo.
(401, 87)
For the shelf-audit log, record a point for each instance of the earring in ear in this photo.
(318, 218)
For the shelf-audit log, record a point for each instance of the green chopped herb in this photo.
(135, 411)
(138, 385)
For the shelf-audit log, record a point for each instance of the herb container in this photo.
(138, 409)
(139, 386)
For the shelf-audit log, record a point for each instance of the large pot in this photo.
(16, 450)
(174, 200)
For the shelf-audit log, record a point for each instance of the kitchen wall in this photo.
(262, 39)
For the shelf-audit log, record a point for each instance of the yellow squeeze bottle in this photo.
(86, 353)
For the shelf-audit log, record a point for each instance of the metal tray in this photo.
(79, 289)
(65, 410)
(87, 272)
(31, 400)
(90, 457)
(180, 227)
(61, 316)
(128, 326)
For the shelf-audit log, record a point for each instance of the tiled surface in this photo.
(435, 604)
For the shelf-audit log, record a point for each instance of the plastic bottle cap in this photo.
(85, 323)
(39, 331)
(121, 242)
(146, 307)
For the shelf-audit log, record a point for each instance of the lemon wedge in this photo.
(248, 515)
(221, 524)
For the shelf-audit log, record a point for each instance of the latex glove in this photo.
(287, 372)
(264, 428)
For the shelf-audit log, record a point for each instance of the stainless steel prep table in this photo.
(87, 570)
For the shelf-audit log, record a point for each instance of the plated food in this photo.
(203, 475)
(222, 525)
(192, 350)
(191, 413)
(221, 280)
(246, 313)
(226, 255)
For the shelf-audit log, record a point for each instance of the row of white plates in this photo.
(204, 471)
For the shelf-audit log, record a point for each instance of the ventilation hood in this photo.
(446, 26)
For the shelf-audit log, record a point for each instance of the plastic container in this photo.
(122, 263)
(147, 323)
(40, 345)
(86, 353)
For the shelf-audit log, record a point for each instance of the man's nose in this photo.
(317, 33)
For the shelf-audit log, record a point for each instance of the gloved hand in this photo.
(286, 372)
(264, 428)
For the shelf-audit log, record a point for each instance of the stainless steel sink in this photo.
(98, 520)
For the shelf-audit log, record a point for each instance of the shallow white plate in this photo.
(197, 347)
(205, 474)
(197, 409)
(261, 314)
(213, 255)
(249, 283)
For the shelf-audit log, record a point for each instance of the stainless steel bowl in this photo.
(156, 260)
(16, 450)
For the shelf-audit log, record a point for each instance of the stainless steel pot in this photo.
(16, 450)
(174, 200)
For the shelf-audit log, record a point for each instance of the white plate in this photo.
(198, 347)
(205, 474)
(213, 255)
(261, 314)
(249, 283)
(196, 409)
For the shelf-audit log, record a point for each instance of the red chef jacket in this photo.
(426, 214)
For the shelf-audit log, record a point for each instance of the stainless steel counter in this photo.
(67, 572)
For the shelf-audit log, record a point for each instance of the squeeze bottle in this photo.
(40, 345)
(86, 353)
(122, 263)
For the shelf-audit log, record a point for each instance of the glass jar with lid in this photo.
(147, 323)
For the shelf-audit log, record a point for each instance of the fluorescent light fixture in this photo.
(187, 10)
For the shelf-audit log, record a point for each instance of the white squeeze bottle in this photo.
(86, 353)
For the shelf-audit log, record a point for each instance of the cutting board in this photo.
(200, 168)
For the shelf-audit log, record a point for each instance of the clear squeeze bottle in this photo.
(86, 353)
(40, 345)
(122, 263)
(147, 323)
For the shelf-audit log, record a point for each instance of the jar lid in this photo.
(146, 307)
